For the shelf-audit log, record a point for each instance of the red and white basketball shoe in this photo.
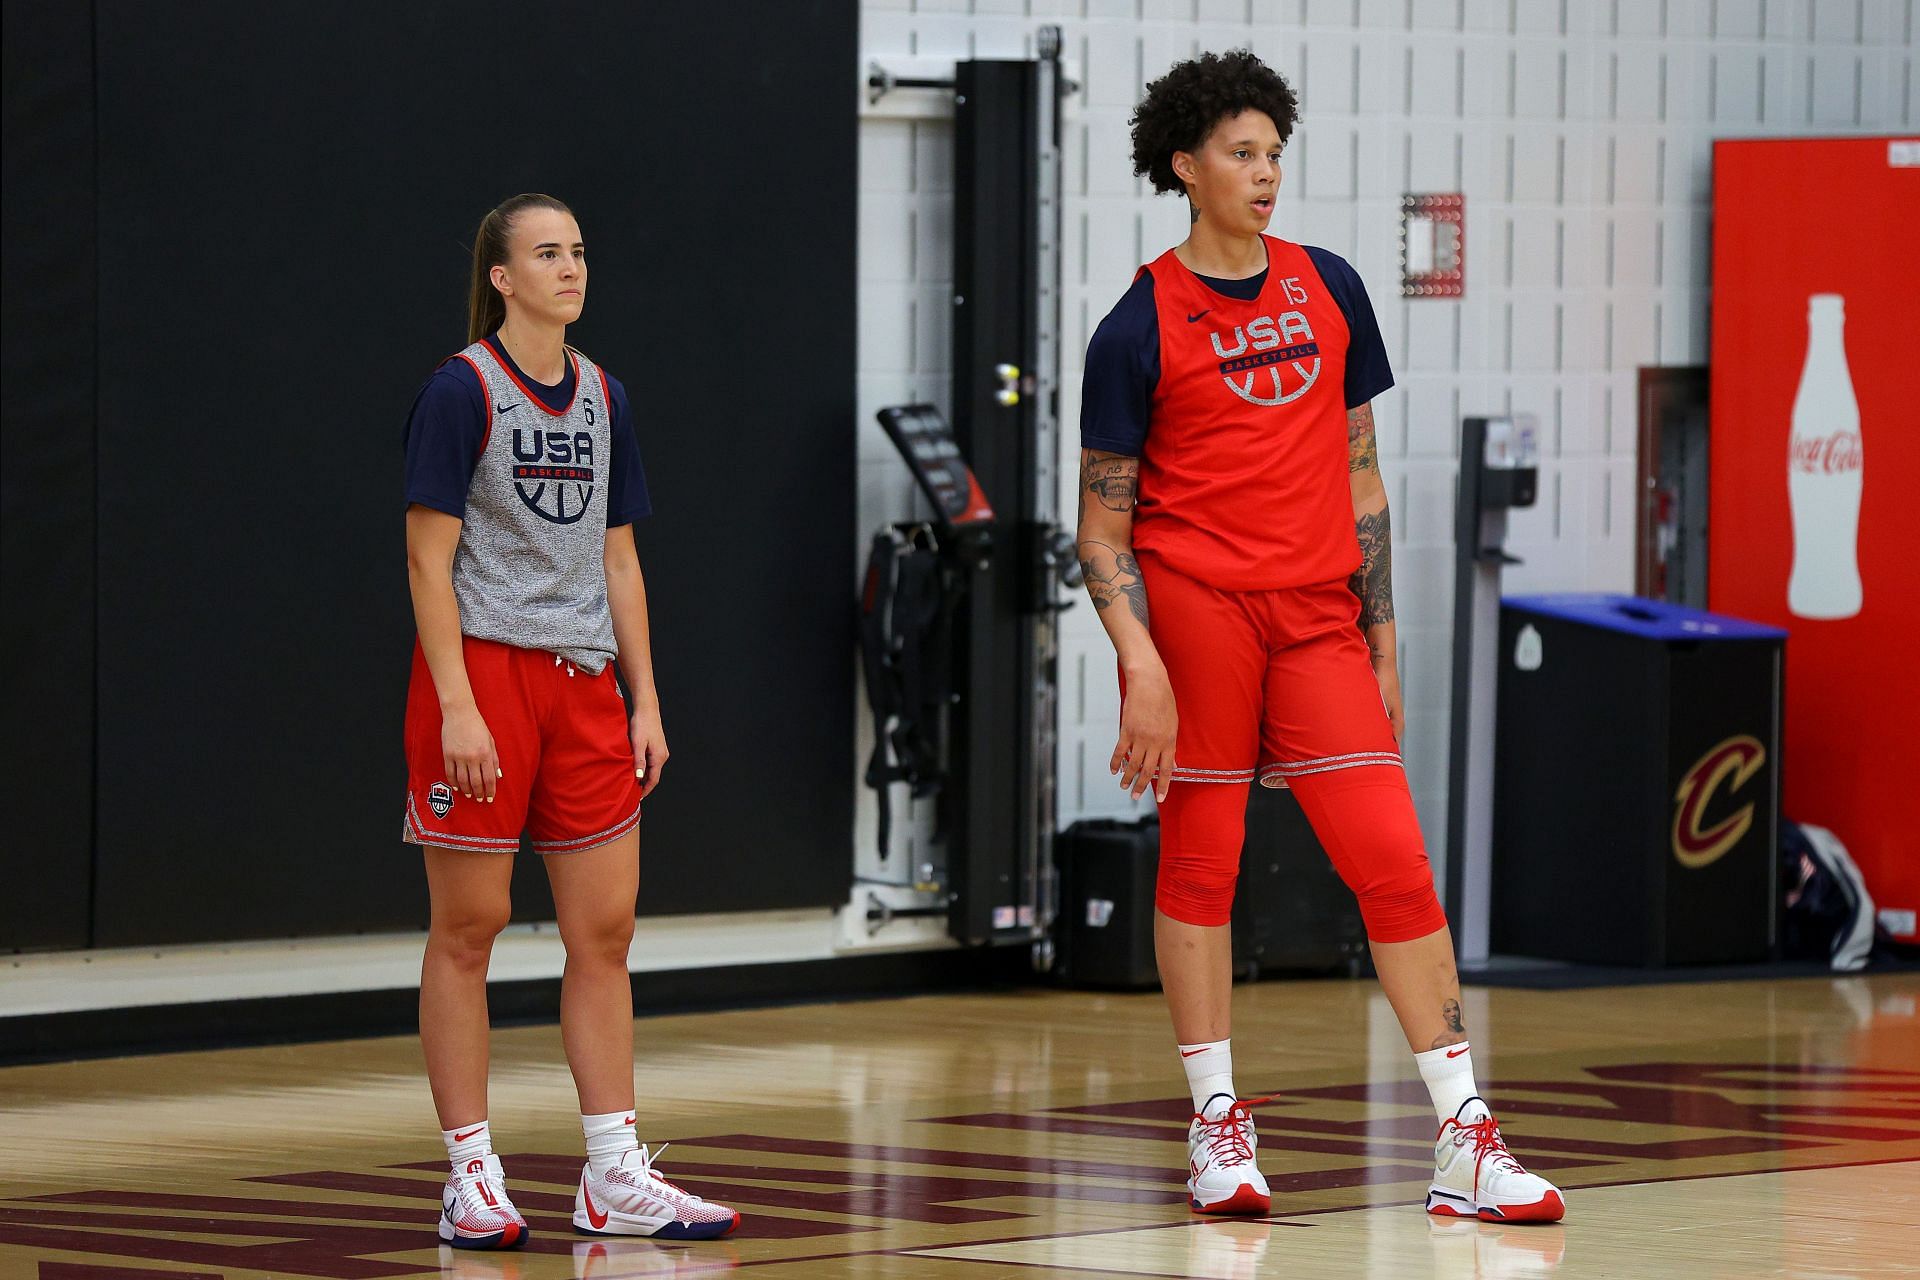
(633, 1200)
(1221, 1176)
(474, 1210)
(1474, 1175)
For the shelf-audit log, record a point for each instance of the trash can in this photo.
(1636, 782)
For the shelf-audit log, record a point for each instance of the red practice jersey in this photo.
(1244, 475)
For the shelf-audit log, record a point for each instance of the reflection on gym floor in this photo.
(1733, 1129)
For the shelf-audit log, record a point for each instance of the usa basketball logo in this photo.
(1284, 348)
(553, 470)
(1733, 762)
(440, 799)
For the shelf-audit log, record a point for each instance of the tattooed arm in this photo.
(1143, 756)
(1372, 582)
(1107, 489)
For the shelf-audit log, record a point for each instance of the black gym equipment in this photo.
(997, 807)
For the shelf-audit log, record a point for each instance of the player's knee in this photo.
(603, 940)
(465, 936)
(1375, 840)
(1400, 909)
(1393, 880)
(1196, 891)
(1202, 826)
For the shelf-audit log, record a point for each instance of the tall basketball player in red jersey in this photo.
(1228, 472)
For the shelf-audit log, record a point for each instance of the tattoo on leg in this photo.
(1372, 582)
(1456, 1025)
(1113, 575)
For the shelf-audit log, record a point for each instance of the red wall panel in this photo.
(1816, 250)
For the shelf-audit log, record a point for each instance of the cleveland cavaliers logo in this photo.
(1283, 348)
(1733, 762)
(553, 470)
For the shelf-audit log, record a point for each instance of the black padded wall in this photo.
(47, 473)
(286, 201)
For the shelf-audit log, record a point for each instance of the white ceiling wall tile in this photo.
(1689, 19)
(1637, 85)
(1837, 22)
(1735, 86)
(1436, 79)
(1736, 19)
(1431, 326)
(1835, 84)
(1329, 74)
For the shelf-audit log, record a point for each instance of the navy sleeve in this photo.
(1368, 373)
(627, 497)
(444, 434)
(1122, 370)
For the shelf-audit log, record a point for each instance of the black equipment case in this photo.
(1290, 910)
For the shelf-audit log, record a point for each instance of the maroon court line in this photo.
(1303, 1213)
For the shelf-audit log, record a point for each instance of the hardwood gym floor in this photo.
(1743, 1129)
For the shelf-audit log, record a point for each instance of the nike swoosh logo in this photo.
(1196, 315)
(629, 1120)
(462, 1137)
(501, 411)
(1188, 1053)
(1454, 1053)
(596, 1217)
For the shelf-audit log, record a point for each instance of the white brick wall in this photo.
(1580, 132)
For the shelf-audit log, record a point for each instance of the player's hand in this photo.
(649, 746)
(1149, 724)
(1387, 672)
(467, 754)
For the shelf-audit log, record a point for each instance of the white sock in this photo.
(609, 1137)
(1209, 1069)
(1448, 1072)
(467, 1143)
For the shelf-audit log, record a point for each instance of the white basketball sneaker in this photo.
(474, 1210)
(633, 1200)
(1221, 1177)
(1474, 1175)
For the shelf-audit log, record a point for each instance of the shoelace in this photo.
(480, 1191)
(1487, 1141)
(647, 1158)
(1229, 1139)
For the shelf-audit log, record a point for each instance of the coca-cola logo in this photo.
(1825, 455)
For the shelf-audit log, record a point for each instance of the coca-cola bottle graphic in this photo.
(1824, 472)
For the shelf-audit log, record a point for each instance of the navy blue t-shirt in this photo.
(1123, 359)
(449, 422)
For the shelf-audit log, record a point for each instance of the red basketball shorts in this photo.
(1279, 685)
(566, 760)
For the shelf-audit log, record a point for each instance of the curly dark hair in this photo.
(1182, 107)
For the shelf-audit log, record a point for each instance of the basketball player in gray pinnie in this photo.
(523, 483)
